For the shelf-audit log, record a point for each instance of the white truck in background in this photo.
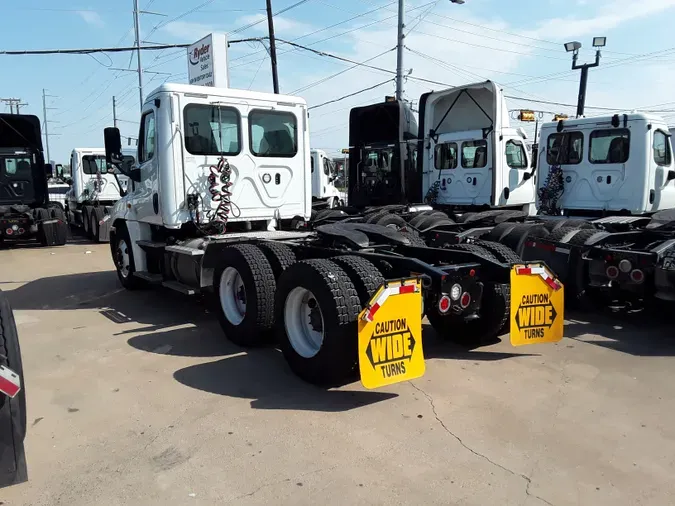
(94, 188)
(324, 174)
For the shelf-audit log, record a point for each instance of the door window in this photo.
(445, 156)
(662, 152)
(147, 136)
(565, 148)
(515, 155)
(609, 146)
(326, 166)
(273, 133)
(212, 130)
(474, 154)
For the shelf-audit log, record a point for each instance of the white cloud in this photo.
(91, 18)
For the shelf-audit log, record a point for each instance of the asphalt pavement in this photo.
(136, 398)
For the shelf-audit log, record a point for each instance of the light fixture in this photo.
(599, 41)
(572, 46)
(460, 2)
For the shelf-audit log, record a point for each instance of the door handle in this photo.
(474, 181)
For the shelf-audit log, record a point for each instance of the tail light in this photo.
(444, 304)
(456, 292)
(9, 231)
(637, 276)
(612, 272)
(465, 300)
(21, 231)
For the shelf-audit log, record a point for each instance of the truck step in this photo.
(184, 250)
(151, 244)
(150, 277)
(180, 287)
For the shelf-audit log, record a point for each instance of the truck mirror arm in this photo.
(122, 191)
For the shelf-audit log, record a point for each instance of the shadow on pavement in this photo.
(262, 375)
(637, 334)
(436, 347)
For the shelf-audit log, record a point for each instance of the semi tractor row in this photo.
(595, 202)
(220, 184)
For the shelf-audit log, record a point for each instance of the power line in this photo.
(154, 47)
(350, 95)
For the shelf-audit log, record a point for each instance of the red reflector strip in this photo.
(407, 289)
(10, 384)
(540, 271)
(393, 290)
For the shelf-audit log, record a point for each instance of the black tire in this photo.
(494, 316)
(86, 221)
(577, 223)
(97, 214)
(12, 411)
(259, 285)
(390, 220)
(474, 217)
(496, 234)
(560, 233)
(502, 252)
(125, 273)
(418, 217)
(364, 275)
(414, 237)
(552, 225)
(520, 234)
(474, 248)
(581, 237)
(280, 256)
(57, 213)
(434, 221)
(337, 299)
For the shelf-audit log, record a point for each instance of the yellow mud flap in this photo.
(390, 335)
(537, 305)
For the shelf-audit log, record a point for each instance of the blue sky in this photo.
(516, 43)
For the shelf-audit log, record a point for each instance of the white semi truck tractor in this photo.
(94, 188)
(324, 173)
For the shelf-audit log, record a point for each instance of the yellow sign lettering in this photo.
(378, 349)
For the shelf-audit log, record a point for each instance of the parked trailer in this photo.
(25, 209)
(222, 192)
(94, 188)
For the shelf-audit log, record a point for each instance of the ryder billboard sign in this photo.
(207, 62)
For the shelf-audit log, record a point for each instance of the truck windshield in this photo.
(378, 160)
(93, 163)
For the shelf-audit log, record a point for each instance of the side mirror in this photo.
(69, 181)
(527, 176)
(671, 175)
(49, 170)
(113, 145)
(134, 175)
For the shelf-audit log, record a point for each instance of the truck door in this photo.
(471, 183)
(145, 199)
(661, 188)
(516, 170)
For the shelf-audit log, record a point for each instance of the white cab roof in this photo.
(226, 93)
(596, 120)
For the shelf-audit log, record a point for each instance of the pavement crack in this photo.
(527, 479)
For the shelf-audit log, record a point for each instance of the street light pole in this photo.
(583, 82)
(573, 47)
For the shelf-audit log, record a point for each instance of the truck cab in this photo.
(210, 156)
(25, 208)
(619, 164)
(324, 174)
(382, 155)
(469, 156)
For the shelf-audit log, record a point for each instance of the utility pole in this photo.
(114, 113)
(44, 121)
(138, 54)
(12, 102)
(399, 50)
(273, 46)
